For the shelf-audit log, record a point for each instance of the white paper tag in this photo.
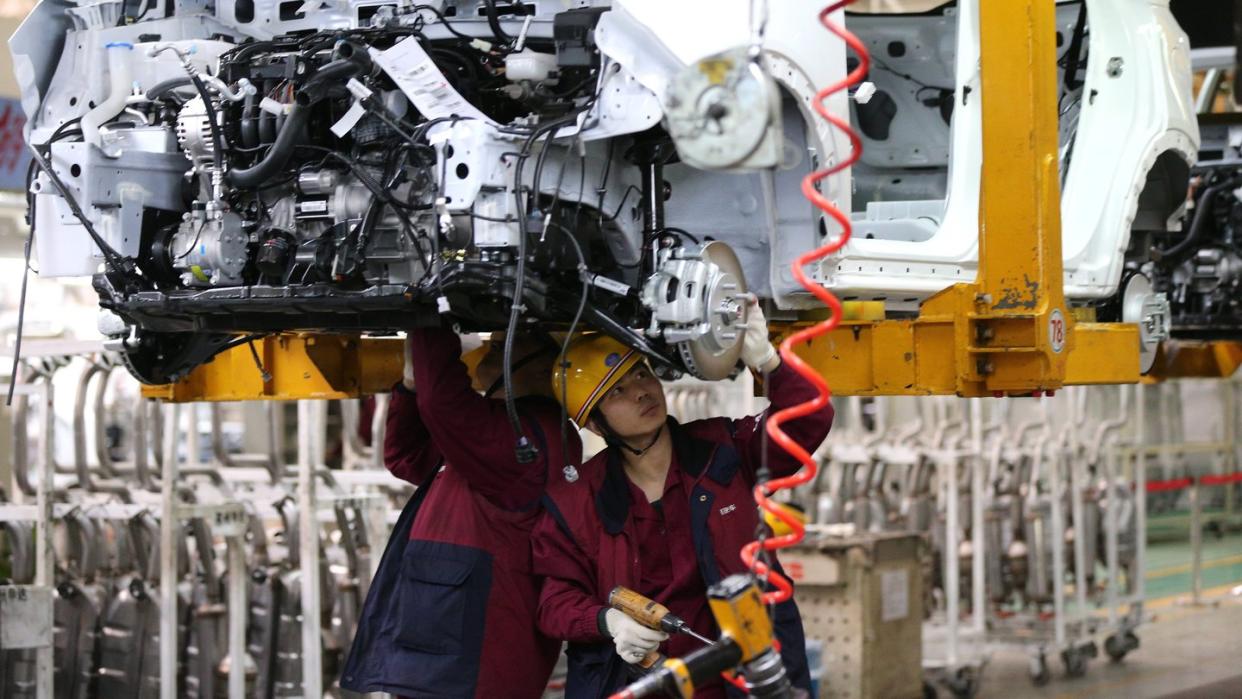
(349, 119)
(418, 77)
(894, 595)
(357, 89)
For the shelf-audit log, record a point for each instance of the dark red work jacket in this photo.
(586, 542)
(451, 612)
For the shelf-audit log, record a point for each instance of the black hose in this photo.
(525, 451)
(162, 88)
(21, 314)
(217, 140)
(278, 155)
(312, 92)
(267, 120)
(248, 128)
(1198, 224)
(1074, 53)
(493, 21)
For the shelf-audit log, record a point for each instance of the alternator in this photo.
(194, 133)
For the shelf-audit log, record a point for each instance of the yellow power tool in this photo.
(651, 614)
(746, 641)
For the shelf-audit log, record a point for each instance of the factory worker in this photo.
(451, 612)
(665, 510)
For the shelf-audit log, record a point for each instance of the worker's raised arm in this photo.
(472, 432)
(786, 388)
(409, 452)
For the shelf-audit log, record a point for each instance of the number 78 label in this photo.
(1056, 330)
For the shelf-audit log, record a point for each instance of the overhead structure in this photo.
(1009, 332)
(291, 367)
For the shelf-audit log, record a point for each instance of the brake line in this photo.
(763, 491)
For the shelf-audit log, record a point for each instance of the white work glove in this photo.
(633, 640)
(757, 352)
(407, 372)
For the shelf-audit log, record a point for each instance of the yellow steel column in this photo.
(1010, 332)
(1019, 290)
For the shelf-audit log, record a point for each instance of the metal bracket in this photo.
(300, 366)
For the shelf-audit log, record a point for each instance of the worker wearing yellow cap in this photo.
(664, 510)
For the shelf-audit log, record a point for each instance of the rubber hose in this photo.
(1197, 225)
(493, 21)
(162, 88)
(278, 155)
(249, 127)
(267, 120)
(312, 92)
(213, 124)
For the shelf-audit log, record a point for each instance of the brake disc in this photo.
(699, 301)
(1140, 304)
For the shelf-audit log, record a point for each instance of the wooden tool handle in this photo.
(645, 611)
(652, 659)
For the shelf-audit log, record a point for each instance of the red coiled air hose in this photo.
(784, 589)
(763, 491)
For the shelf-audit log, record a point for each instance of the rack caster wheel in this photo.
(1075, 661)
(1119, 645)
(963, 684)
(1038, 670)
(929, 691)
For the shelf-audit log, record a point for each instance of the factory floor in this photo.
(1187, 652)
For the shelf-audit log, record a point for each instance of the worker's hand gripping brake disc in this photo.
(698, 303)
(723, 112)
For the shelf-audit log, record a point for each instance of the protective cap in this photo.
(595, 363)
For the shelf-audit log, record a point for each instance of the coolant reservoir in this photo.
(530, 65)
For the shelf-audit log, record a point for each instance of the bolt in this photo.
(984, 334)
(983, 298)
(984, 367)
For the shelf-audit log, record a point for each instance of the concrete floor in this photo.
(1187, 652)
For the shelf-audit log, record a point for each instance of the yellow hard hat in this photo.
(472, 359)
(594, 364)
(778, 527)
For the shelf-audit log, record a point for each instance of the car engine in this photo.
(1200, 270)
(229, 172)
